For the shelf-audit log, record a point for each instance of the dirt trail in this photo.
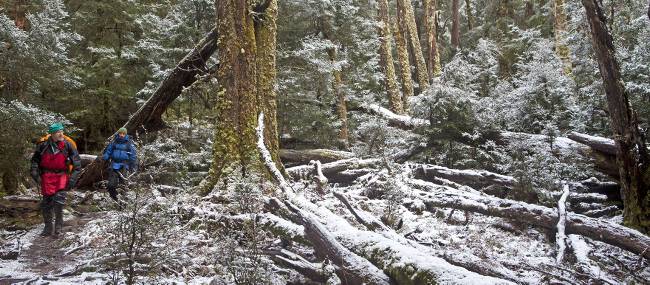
(47, 256)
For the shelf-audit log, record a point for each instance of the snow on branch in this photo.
(561, 212)
(268, 160)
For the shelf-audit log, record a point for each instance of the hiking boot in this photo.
(47, 220)
(58, 221)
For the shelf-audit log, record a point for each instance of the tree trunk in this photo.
(529, 10)
(632, 153)
(559, 30)
(148, 117)
(403, 60)
(341, 107)
(235, 148)
(455, 25)
(265, 37)
(540, 216)
(406, 14)
(468, 11)
(337, 82)
(431, 22)
(386, 54)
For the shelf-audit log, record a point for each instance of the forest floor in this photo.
(40, 260)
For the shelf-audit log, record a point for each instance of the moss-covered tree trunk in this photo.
(407, 16)
(246, 43)
(632, 153)
(386, 55)
(430, 21)
(265, 37)
(403, 60)
(559, 26)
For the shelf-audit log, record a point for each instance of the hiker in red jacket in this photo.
(55, 167)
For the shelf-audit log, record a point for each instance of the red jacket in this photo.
(51, 160)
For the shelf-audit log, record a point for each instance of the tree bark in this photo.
(431, 22)
(559, 30)
(386, 54)
(540, 216)
(405, 12)
(403, 60)
(148, 117)
(455, 24)
(468, 11)
(265, 38)
(632, 153)
(239, 75)
(337, 82)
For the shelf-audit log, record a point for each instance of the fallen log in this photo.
(148, 117)
(342, 171)
(297, 157)
(16, 205)
(587, 191)
(296, 262)
(464, 260)
(598, 149)
(597, 229)
(352, 269)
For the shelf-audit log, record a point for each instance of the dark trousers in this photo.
(114, 179)
(52, 207)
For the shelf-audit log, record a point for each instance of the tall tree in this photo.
(468, 12)
(403, 60)
(431, 23)
(386, 54)
(455, 24)
(632, 153)
(406, 14)
(648, 9)
(337, 82)
(559, 26)
(265, 38)
(243, 37)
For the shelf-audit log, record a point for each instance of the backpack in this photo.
(65, 151)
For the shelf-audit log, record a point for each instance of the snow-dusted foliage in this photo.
(30, 55)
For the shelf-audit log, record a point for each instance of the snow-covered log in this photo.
(614, 234)
(464, 260)
(297, 157)
(405, 261)
(296, 262)
(601, 144)
(148, 117)
(353, 269)
(499, 184)
(342, 171)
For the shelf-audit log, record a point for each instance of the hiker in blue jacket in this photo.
(121, 156)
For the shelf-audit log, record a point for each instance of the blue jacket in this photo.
(121, 153)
